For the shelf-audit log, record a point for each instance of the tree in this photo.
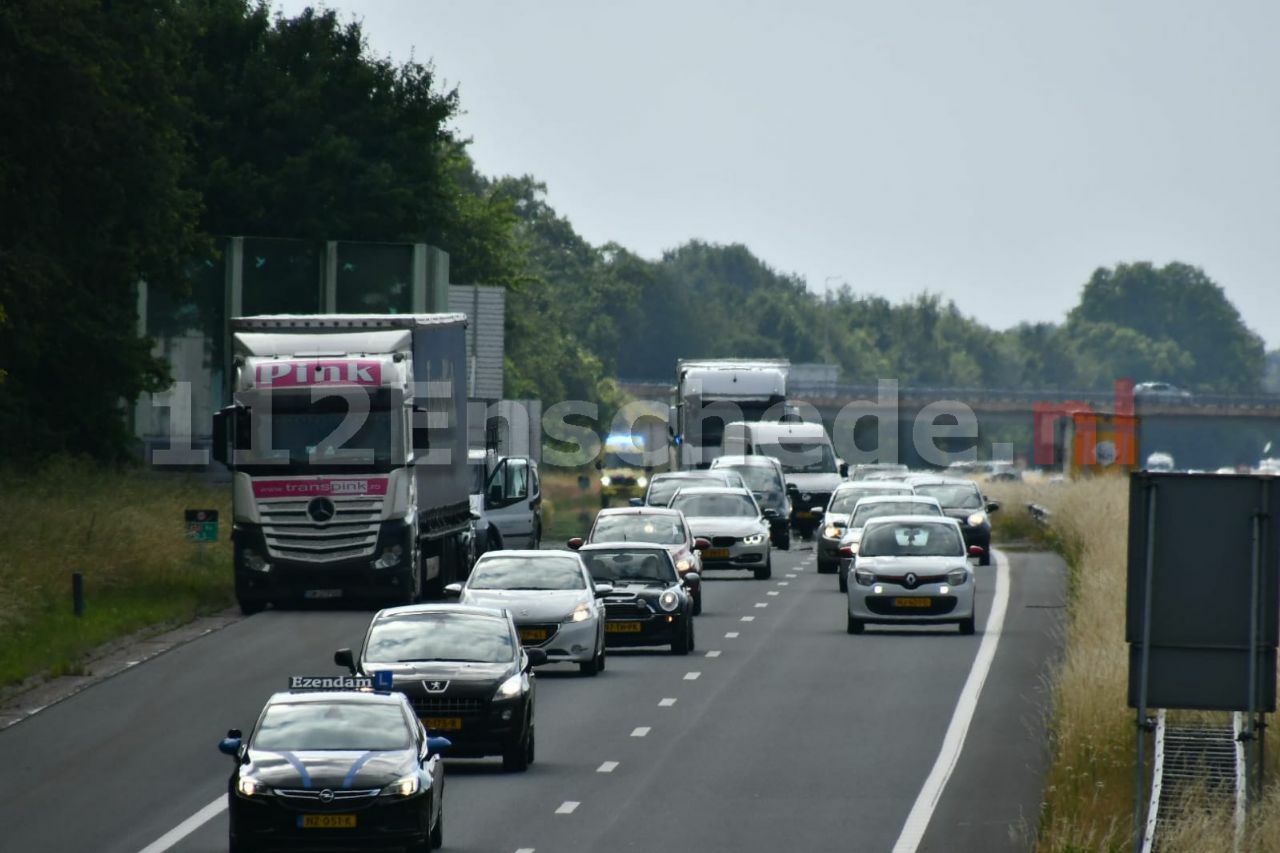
(1178, 309)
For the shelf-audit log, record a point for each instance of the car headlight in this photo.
(249, 787)
(863, 578)
(977, 519)
(642, 481)
(581, 613)
(254, 561)
(957, 577)
(684, 565)
(606, 480)
(511, 688)
(754, 539)
(389, 558)
(832, 532)
(668, 601)
(405, 787)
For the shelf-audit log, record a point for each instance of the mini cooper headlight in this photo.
(581, 613)
(977, 519)
(247, 786)
(668, 601)
(511, 688)
(863, 577)
(405, 787)
(754, 539)
(956, 577)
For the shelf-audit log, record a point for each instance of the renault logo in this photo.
(321, 510)
(326, 796)
(910, 580)
(435, 686)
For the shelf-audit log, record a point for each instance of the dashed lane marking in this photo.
(731, 635)
(567, 807)
(692, 676)
(640, 731)
(714, 653)
(607, 767)
(666, 703)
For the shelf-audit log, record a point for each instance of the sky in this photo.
(995, 152)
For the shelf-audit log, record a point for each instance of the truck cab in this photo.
(506, 501)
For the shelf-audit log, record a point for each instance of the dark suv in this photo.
(763, 476)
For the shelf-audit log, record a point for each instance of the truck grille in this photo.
(291, 534)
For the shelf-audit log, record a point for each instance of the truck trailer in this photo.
(347, 442)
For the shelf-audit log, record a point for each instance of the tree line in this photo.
(130, 133)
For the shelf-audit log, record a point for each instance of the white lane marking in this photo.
(773, 592)
(762, 604)
(567, 807)
(784, 583)
(691, 676)
(666, 703)
(748, 618)
(526, 850)
(791, 576)
(714, 653)
(918, 820)
(188, 826)
(607, 767)
(731, 635)
(640, 731)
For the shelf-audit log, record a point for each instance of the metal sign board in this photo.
(202, 525)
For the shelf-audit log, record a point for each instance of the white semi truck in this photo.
(347, 439)
(713, 392)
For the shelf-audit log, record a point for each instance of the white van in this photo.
(808, 460)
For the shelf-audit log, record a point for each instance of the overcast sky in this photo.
(993, 151)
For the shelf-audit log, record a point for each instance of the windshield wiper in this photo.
(439, 660)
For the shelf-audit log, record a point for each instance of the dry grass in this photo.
(1088, 801)
(124, 531)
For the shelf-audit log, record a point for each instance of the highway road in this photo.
(780, 732)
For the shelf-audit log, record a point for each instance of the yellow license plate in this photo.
(716, 553)
(805, 514)
(913, 602)
(443, 724)
(533, 635)
(327, 821)
(622, 628)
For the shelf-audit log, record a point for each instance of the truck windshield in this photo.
(801, 456)
(302, 435)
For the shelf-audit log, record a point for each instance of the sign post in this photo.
(202, 527)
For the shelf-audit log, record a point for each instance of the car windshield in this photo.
(716, 506)
(551, 571)
(354, 726)
(879, 508)
(662, 529)
(907, 539)
(845, 499)
(799, 456)
(952, 495)
(630, 564)
(661, 490)
(759, 478)
(439, 636)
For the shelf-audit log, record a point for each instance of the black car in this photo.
(962, 500)
(347, 769)
(464, 671)
(650, 604)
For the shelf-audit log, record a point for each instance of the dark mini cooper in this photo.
(335, 769)
(650, 604)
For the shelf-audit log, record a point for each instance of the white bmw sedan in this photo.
(911, 570)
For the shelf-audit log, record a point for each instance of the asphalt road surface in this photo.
(781, 732)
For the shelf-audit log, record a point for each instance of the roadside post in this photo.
(202, 528)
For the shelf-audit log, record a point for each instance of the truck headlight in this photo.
(581, 613)
(606, 480)
(390, 557)
(511, 688)
(668, 601)
(247, 786)
(977, 519)
(754, 539)
(254, 561)
(405, 787)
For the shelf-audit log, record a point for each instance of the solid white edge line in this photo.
(187, 827)
(966, 705)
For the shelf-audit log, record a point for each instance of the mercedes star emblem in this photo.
(326, 796)
(321, 510)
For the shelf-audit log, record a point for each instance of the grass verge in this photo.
(124, 531)
(567, 508)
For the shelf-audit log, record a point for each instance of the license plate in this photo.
(327, 821)
(805, 514)
(716, 553)
(322, 593)
(622, 628)
(443, 724)
(533, 635)
(913, 602)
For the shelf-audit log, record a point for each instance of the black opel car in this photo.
(464, 672)
(650, 604)
(335, 769)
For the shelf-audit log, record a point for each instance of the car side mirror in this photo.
(575, 543)
(992, 506)
(537, 657)
(603, 588)
(976, 550)
(701, 544)
(453, 590)
(435, 743)
(636, 502)
(343, 657)
(792, 487)
(844, 469)
(692, 579)
(230, 745)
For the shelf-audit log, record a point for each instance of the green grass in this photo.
(567, 509)
(124, 531)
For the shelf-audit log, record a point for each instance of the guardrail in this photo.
(1039, 514)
